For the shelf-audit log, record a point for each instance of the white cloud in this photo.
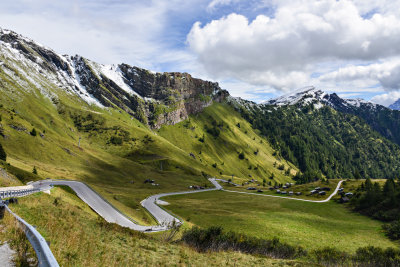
(282, 51)
(387, 74)
(386, 99)
(215, 3)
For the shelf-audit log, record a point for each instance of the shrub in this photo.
(373, 256)
(214, 131)
(34, 171)
(330, 256)
(241, 155)
(116, 140)
(3, 155)
(33, 132)
(148, 139)
(392, 230)
(215, 239)
(201, 139)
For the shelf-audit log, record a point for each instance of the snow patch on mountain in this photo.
(357, 102)
(114, 73)
(311, 95)
(306, 95)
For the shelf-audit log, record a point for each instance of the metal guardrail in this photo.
(17, 193)
(39, 244)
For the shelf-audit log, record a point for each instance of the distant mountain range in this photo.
(395, 105)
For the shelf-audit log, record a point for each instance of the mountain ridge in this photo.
(153, 98)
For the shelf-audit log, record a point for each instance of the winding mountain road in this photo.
(113, 215)
(164, 218)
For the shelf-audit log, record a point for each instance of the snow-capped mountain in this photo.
(139, 92)
(395, 105)
(382, 119)
(311, 95)
(305, 95)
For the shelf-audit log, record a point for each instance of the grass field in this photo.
(311, 225)
(79, 238)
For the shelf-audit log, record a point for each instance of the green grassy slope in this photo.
(79, 238)
(311, 225)
(221, 151)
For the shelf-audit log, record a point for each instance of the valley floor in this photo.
(311, 225)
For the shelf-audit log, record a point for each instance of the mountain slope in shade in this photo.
(153, 98)
(395, 105)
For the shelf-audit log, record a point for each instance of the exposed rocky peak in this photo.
(153, 98)
(160, 86)
(395, 105)
(312, 95)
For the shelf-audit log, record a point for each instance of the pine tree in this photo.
(368, 184)
(357, 175)
(3, 155)
(389, 188)
(33, 132)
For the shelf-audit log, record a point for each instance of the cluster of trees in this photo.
(215, 129)
(88, 122)
(382, 203)
(335, 144)
(307, 177)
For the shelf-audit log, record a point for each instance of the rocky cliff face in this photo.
(153, 98)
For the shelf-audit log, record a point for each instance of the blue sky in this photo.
(256, 49)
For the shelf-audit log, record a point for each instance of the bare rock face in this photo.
(153, 98)
(173, 95)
